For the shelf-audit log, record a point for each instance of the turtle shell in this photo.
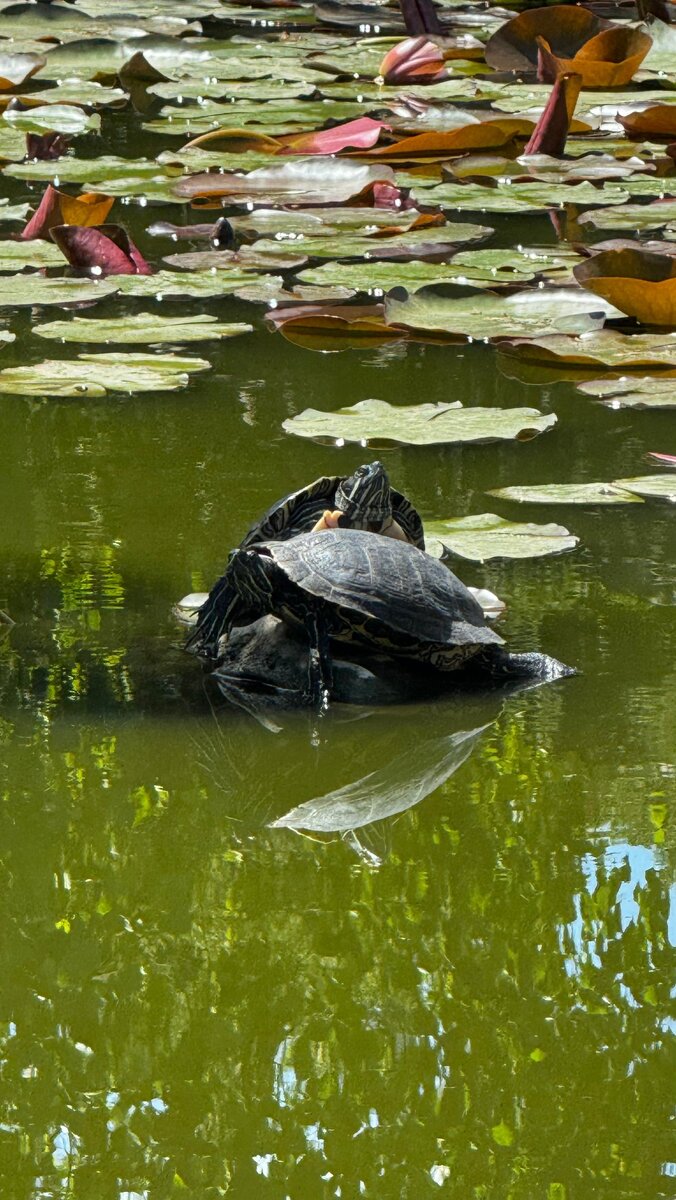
(390, 582)
(299, 512)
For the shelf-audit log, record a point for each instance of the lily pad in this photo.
(600, 348)
(60, 118)
(12, 212)
(487, 536)
(640, 282)
(98, 374)
(436, 241)
(141, 329)
(567, 493)
(173, 285)
(377, 423)
(20, 290)
(14, 256)
(651, 487)
(632, 393)
(511, 197)
(638, 217)
(309, 181)
(483, 316)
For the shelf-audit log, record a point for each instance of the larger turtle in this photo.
(347, 585)
(362, 500)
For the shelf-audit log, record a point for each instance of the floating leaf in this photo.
(567, 493)
(141, 329)
(486, 536)
(58, 208)
(429, 242)
(651, 487)
(632, 393)
(600, 348)
(15, 69)
(310, 181)
(98, 374)
(656, 121)
(264, 256)
(59, 118)
(414, 59)
(638, 282)
(511, 197)
(15, 256)
(573, 39)
(632, 216)
(101, 249)
(362, 133)
(485, 315)
(175, 285)
(327, 328)
(20, 290)
(377, 423)
(12, 212)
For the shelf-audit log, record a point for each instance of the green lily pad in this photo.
(82, 92)
(268, 256)
(632, 393)
(91, 170)
(141, 329)
(13, 212)
(637, 217)
(98, 374)
(180, 90)
(6, 336)
(510, 197)
(652, 487)
(173, 285)
(485, 316)
(57, 118)
(475, 268)
(488, 536)
(20, 290)
(416, 244)
(597, 349)
(377, 423)
(14, 256)
(567, 493)
(272, 117)
(358, 221)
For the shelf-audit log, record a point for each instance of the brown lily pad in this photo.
(638, 282)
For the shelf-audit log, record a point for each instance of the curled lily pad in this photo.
(100, 249)
(632, 393)
(98, 374)
(377, 423)
(141, 329)
(58, 208)
(326, 328)
(601, 348)
(15, 69)
(310, 181)
(61, 118)
(483, 316)
(640, 283)
(487, 536)
(20, 290)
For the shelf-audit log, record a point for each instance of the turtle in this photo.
(362, 500)
(347, 585)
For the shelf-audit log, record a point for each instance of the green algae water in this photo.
(457, 979)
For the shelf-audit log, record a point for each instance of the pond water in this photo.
(470, 996)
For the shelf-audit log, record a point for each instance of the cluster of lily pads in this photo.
(343, 173)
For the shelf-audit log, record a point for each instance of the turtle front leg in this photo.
(320, 665)
(240, 596)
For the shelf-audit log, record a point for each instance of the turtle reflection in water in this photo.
(347, 585)
(363, 500)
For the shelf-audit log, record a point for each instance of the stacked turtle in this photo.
(313, 562)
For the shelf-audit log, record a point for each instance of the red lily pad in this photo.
(100, 250)
(58, 208)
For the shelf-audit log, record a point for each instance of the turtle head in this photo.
(364, 499)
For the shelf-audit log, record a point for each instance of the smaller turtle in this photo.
(347, 585)
(363, 500)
